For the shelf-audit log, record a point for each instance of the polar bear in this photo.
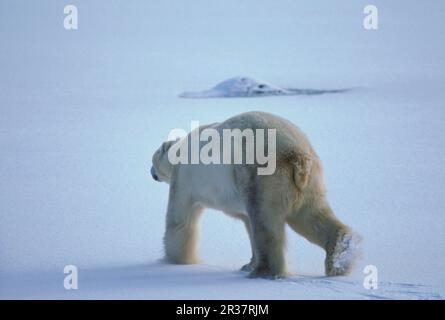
(294, 194)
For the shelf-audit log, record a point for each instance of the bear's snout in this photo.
(153, 174)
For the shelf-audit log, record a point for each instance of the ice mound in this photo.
(237, 87)
(248, 87)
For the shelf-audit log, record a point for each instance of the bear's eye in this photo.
(261, 86)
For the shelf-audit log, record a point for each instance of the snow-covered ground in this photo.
(82, 112)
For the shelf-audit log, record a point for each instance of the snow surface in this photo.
(83, 111)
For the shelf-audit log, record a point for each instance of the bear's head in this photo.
(162, 168)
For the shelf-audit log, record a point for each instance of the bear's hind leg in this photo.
(320, 226)
(268, 235)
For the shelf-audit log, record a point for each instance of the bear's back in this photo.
(289, 138)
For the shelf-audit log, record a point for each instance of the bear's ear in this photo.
(167, 144)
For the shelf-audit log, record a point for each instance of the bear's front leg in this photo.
(181, 234)
(249, 266)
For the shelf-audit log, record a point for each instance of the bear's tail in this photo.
(302, 166)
